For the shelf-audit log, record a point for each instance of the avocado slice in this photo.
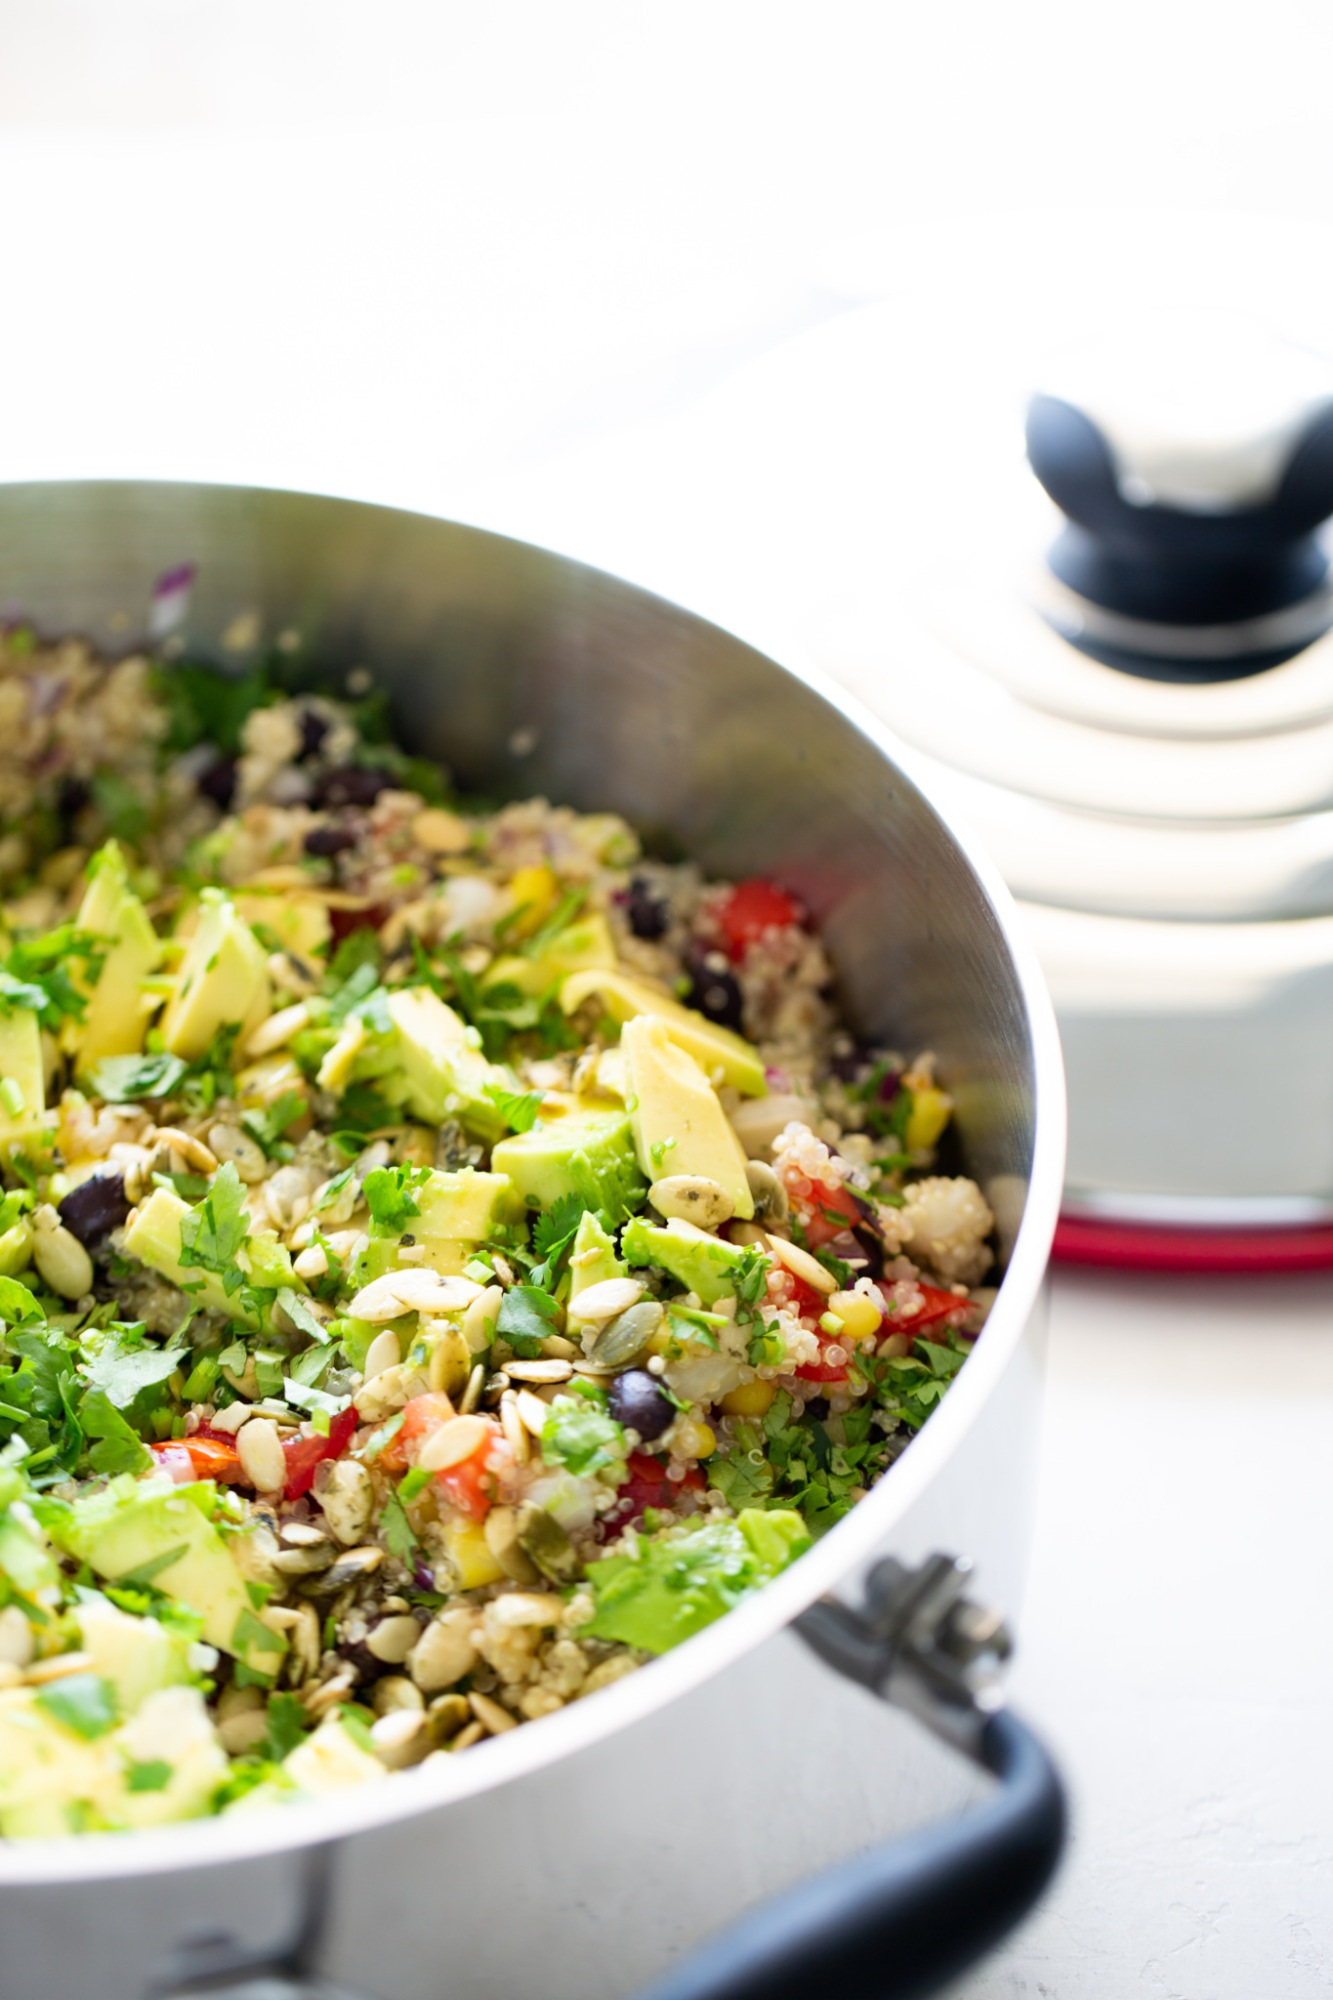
(584, 946)
(222, 982)
(676, 1586)
(585, 1150)
(592, 1259)
(679, 1126)
(162, 1535)
(702, 1263)
(137, 1655)
(438, 1071)
(23, 1102)
(154, 1237)
(712, 1047)
(458, 1211)
(118, 1008)
(300, 923)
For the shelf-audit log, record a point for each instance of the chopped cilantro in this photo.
(519, 1110)
(287, 1725)
(213, 1234)
(85, 1703)
(412, 1483)
(524, 1319)
(389, 1193)
(125, 1079)
(582, 1436)
(153, 1776)
(396, 1530)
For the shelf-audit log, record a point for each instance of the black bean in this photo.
(636, 1400)
(818, 1408)
(74, 796)
(649, 914)
(218, 782)
(353, 785)
(328, 840)
(314, 729)
(871, 1245)
(714, 990)
(95, 1207)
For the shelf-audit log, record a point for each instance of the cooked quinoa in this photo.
(447, 1256)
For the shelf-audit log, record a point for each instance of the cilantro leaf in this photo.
(266, 1127)
(213, 1234)
(524, 1319)
(519, 1109)
(37, 974)
(287, 1725)
(17, 1303)
(125, 1079)
(396, 1530)
(85, 1703)
(124, 1365)
(582, 1436)
(154, 1776)
(333, 1189)
(389, 1196)
(119, 1447)
(298, 1312)
(557, 1225)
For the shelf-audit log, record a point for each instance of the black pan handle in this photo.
(902, 1920)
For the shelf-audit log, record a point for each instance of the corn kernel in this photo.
(752, 1399)
(693, 1440)
(860, 1316)
(535, 892)
(930, 1113)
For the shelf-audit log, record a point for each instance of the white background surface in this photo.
(515, 262)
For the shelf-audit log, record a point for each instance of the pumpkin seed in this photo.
(623, 1339)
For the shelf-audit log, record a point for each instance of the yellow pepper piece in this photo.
(535, 891)
(931, 1112)
(470, 1555)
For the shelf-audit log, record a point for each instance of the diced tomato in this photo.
(835, 1212)
(172, 1457)
(422, 1415)
(648, 1486)
(471, 1484)
(303, 1454)
(935, 1307)
(804, 1300)
(212, 1454)
(821, 1371)
(752, 908)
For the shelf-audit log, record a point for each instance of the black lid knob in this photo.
(1183, 511)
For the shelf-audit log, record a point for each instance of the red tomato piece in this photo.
(820, 1371)
(834, 1213)
(936, 1306)
(214, 1456)
(172, 1457)
(421, 1416)
(648, 1486)
(804, 1300)
(471, 1484)
(303, 1454)
(752, 908)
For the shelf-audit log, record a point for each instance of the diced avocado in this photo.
(22, 1083)
(118, 1008)
(441, 1253)
(331, 1760)
(702, 1263)
(171, 1737)
(222, 982)
(137, 1655)
(592, 1259)
(51, 1778)
(441, 1071)
(16, 1248)
(466, 1206)
(676, 1586)
(300, 923)
(163, 1536)
(584, 946)
(713, 1047)
(586, 1150)
(154, 1237)
(679, 1126)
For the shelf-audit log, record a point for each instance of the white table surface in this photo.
(515, 262)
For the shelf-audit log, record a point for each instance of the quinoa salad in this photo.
(448, 1257)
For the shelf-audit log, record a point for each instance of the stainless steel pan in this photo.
(589, 1854)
